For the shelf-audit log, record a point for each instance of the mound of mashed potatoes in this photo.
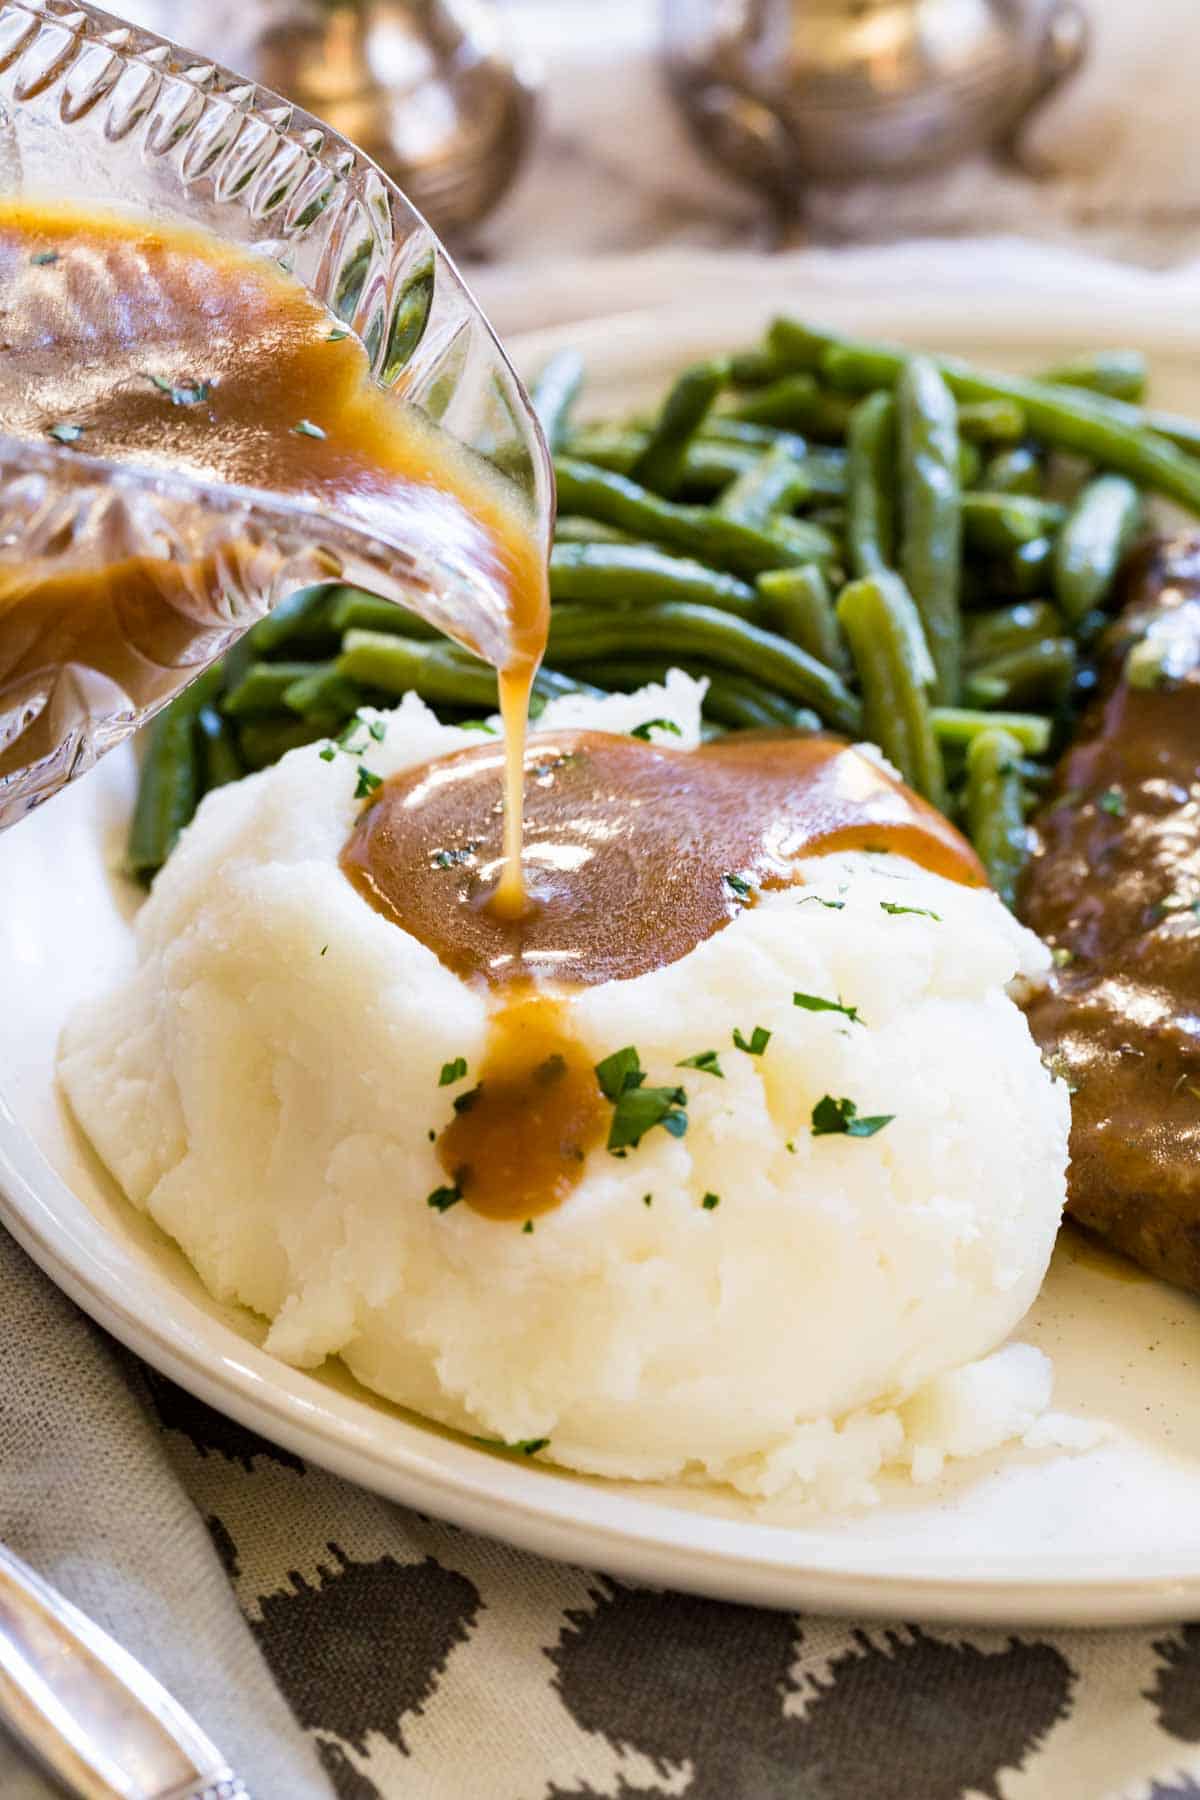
(266, 1086)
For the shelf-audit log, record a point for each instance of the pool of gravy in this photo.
(634, 854)
(158, 345)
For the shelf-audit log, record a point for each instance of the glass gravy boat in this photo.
(101, 115)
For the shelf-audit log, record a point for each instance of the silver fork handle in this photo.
(88, 1711)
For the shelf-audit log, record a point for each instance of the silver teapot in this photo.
(787, 91)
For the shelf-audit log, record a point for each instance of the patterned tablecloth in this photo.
(337, 1645)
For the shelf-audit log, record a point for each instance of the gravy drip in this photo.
(163, 347)
(629, 846)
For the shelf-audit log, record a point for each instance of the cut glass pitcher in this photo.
(98, 113)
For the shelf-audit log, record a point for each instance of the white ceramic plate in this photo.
(1101, 1538)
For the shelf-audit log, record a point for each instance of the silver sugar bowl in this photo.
(783, 92)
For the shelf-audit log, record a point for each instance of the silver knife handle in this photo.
(94, 1717)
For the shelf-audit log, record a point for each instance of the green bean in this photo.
(870, 485)
(1011, 628)
(1039, 673)
(169, 787)
(996, 810)
(1102, 525)
(1121, 374)
(799, 607)
(264, 739)
(726, 430)
(753, 368)
(632, 574)
(326, 690)
(993, 422)
(880, 619)
(958, 725)
(219, 760)
(797, 403)
(708, 466)
(999, 523)
(771, 486)
(695, 530)
(264, 684)
(354, 609)
(1030, 568)
(1015, 471)
(660, 465)
(970, 464)
(442, 674)
(555, 392)
(931, 539)
(824, 465)
(570, 529)
(579, 634)
(303, 616)
(1144, 446)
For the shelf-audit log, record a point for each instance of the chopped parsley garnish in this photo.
(306, 428)
(647, 1199)
(41, 259)
(833, 905)
(452, 859)
(757, 1042)
(1112, 802)
(1173, 903)
(367, 782)
(710, 1202)
(431, 1134)
(66, 433)
(528, 1446)
(814, 1003)
(327, 752)
(452, 1072)
(1057, 1066)
(705, 1061)
(643, 731)
(443, 1198)
(790, 1147)
(527, 1227)
(324, 948)
(337, 334)
(832, 1117)
(740, 887)
(187, 393)
(1061, 957)
(637, 1109)
(377, 729)
(919, 912)
(477, 725)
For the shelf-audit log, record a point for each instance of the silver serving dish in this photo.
(787, 91)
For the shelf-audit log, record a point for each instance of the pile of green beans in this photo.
(834, 534)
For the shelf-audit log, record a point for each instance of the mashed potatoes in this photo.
(266, 1087)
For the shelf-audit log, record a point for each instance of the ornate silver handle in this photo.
(92, 1714)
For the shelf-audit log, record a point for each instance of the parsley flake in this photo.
(324, 948)
(705, 1061)
(832, 1117)
(327, 752)
(643, 731)
(814, 1003)
(1112, 802)
(1061, 957)
(757, 1042)
(186, 393)
(527, 1227)
(739, 886)
(918, 912)
(528, 1446)
(647, 1199)
(431, 1134)
(636, 1108)
(477, 725)
(306, 428)
(41, 259)
(337, 334)
(833, 905)
(367, 782)
(710, 1202)
(452, 1072)
(443, 1198)
(66, 433)
(377, 728)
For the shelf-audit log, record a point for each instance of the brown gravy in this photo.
(629, 846)
(157, 345)
(634, 854)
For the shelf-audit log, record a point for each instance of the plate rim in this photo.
(532, 1507)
